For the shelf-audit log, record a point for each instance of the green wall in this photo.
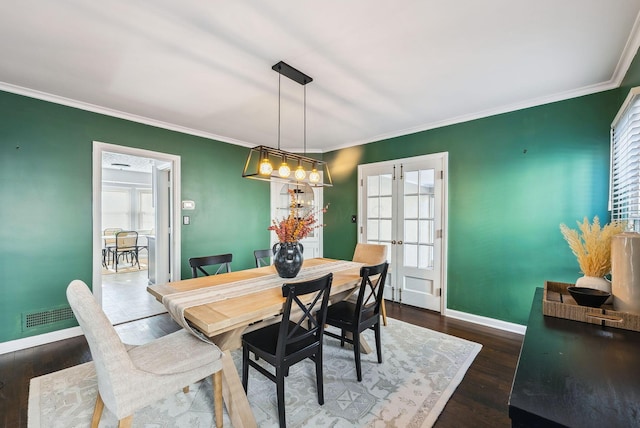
(513, 178)
(505, 204)
(46, 200)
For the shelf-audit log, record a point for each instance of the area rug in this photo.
(420, 371)
(125, 267)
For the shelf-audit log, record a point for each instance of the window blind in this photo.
(624, 195)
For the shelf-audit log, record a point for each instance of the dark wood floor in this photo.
(479, 401)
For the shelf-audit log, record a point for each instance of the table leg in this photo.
(234, 396)
(383, 312)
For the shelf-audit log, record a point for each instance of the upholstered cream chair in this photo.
(130, 378)
(372, 255)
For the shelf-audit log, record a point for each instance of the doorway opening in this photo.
(134, 191)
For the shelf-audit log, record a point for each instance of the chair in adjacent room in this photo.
(126, 246)
(222, 261)
(372, 254)
(130, 378)
(263, 257)
(297, 337)
(354, 318)
(109, 237)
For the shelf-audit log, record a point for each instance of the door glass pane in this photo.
(426, 232)
(426, 206)
(373, 185)
(411, 231)
(411, 183)
(425, 257)
(386, 184)
(411, 207)
(419, 227)
(427, 180)
(379, 208)
(385, 230)
(373, 207)
(386, 210)
(372, 229)
(410, 255)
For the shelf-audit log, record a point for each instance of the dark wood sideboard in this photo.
(575, 374)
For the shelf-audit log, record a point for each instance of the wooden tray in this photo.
(557, 302)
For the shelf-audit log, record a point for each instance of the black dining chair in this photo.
(297, 337)
(364, 314)
(263, 257)
(223, 261)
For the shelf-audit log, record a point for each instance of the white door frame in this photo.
(175, 244)
(444, 157)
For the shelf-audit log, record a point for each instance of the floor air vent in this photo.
(39, 319)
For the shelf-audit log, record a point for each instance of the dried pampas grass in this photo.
(592, 245)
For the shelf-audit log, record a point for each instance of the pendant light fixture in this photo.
(259, 164)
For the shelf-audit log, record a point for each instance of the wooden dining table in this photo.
(237, 310)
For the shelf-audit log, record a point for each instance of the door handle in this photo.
(399, 242)
(393, 242)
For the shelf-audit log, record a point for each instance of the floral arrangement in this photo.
(592, 245)
(293, 228)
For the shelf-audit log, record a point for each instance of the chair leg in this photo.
(280, 396)
(383, 309)
(125, 422)
(97, 411)
(376, 330)
(342, 336)
(245, 367)
(319, 377)
(356, 353)
(135, 254)
(217, 397)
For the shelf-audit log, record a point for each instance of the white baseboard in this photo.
(488, 322)
(41, 339)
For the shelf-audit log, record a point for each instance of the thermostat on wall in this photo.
(188, 205)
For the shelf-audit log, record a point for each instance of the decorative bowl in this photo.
(588, 296)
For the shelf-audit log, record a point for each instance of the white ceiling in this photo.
(380, 68)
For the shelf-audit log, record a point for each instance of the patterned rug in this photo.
(421, 369)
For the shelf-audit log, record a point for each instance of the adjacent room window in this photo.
(624, 197)
(116, 208)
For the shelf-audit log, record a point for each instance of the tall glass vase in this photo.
(287, 258)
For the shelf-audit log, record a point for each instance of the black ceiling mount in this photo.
(293, 74)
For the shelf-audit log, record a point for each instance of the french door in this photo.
(401, 206)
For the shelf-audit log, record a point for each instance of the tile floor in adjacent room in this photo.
(125, 297)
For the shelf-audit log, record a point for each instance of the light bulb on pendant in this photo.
(314, 175)
(265, 166)
(284, 171)
(300, 173)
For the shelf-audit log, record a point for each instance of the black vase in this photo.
(287, 258)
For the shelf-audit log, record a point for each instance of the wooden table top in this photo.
(229, 314)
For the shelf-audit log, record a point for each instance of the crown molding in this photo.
(56, 99)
